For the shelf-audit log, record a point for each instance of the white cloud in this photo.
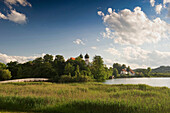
(134, 27)
(152, 2)
(100, 13)
(97, 40)
(21, 59)
(78, 41)
(93, 47)
(158, 8)
(137, 57)
(113, 51)
(2, 16)
(165, 2)
(110, 10)
(9, 3)
(16, 17)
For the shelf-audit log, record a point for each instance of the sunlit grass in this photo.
(89, 97)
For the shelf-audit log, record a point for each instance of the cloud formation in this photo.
(15, 16)
(21, 59)
(152, 2)
(138, 57)
(79, 42)
(134, 27)
(158, 8)
(94, 47)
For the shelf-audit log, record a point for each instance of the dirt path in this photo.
(26, 80)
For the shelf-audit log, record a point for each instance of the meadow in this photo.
(90, 97)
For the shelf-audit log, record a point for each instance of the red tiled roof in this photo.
(123, 70)
(72, 58)
(132, 71)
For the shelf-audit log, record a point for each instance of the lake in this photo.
(159, 81)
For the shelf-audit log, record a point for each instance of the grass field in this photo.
(83, 98)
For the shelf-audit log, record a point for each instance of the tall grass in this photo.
(83, 98)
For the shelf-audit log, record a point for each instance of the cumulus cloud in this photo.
(94, 47)
(21, 59)
(9, 3)
(158, 8)
(2, 16)
(134, 27)
(137, 57)
(152, 2)
(16, 17)
(79, 42)
(113, 51)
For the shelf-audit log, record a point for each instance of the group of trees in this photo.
(117, 68)
(58, 69)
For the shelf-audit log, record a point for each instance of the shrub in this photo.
(5, 74)
(65, 79)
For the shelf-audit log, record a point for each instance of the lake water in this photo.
(159, 81)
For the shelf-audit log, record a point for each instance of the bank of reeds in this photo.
(83, 98)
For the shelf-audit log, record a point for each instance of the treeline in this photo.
(58, 69)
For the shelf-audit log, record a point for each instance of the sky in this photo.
(131, 32)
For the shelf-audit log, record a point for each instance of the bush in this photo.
(5, 74)
(65, 79)
(68, 78)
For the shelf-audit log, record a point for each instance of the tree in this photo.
(98, 69)
(148, 71)
(59, 64)
(38, 61)
(128, 69)
(118, 67)
(48, 58)
(77, 72)
(115, 72)
(123, 66)
(5, 74)
(13, 68)
(69, 69)
(2, 66)
(81, 56)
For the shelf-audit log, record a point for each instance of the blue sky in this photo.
(31, 28)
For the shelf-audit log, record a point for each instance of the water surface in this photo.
(159, 81)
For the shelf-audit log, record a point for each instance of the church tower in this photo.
(87, 59)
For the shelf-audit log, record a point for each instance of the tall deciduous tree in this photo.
(98, 69)
(115, 72)
(48, 58)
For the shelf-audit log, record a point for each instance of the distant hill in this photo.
(161, 69)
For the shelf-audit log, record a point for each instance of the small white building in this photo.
(123, 72)
(132, 72)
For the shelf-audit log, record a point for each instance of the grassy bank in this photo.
(83, 98)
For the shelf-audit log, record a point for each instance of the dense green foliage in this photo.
(59, 70)
(5, 74)
(83, 98)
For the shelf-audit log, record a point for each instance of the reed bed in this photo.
(89, 97)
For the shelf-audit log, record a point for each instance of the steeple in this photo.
(86, 59)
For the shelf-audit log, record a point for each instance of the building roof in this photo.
(132, 71)
(72, 58)
(124, 70)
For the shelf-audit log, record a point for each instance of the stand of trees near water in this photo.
(60, 70)
(57, 69)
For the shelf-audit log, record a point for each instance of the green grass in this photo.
(89, 97)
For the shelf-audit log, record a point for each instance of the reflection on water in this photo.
(164, 81)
